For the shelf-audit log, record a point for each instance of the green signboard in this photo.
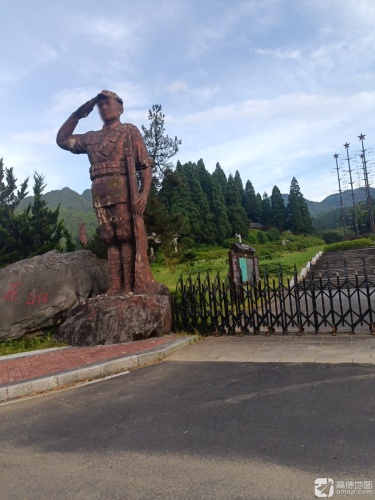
(243, 268)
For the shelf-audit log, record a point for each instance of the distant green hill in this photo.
(76, 207)
(333, 201)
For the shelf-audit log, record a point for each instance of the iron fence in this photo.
(326, 301)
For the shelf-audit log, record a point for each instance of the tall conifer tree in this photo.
(220, 176)
(299, 219)
(278, 209)
(266, 209)
(236, 213)
(251, 203)
(239, 184)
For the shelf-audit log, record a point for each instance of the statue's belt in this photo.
(108, 168)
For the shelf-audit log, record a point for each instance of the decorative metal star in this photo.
(361, 137)
(346, 145)
(336, 156)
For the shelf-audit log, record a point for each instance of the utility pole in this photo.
(346, 146)
(340, 192)
(361, 137)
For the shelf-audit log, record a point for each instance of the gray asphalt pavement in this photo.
(193, 430)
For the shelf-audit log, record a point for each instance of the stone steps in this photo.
(347, 265)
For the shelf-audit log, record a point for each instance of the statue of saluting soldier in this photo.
(117, 153)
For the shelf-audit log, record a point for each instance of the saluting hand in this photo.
(84, 110)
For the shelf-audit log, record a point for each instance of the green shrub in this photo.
(332, 236)
(273, 234)
(251, 238)
(262, 238)
(189, 255)
(229, 242)
(297, 242)
(349, 245)
(269, 251)
(214, 253)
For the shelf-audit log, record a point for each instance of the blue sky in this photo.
(269, 87)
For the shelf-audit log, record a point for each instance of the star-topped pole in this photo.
(340, 191)
(346, 146)
(361, 137)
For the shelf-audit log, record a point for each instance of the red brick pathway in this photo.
(42, 364)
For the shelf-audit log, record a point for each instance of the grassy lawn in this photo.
(28, 344)
(219, 263)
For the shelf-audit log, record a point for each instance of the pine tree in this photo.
(216, 200)
(239, 184)
(278, 209)
(35, 230)
(299, 219)
(220, 176)
(251, 203)
(10, 198)
(260, 205)
(160, 146)
(175, 206)
(266, 209)
(205, 177)
(201, 219)
(219, 211)
(236, 214)
(45, 232)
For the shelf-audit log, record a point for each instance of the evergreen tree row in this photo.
(205, 208)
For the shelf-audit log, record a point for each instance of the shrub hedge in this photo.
(349, 245)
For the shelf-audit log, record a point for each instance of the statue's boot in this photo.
(114, 270)
(127, 258)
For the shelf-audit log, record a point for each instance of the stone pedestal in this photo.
(109, 320)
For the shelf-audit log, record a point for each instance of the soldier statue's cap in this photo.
(108, 93)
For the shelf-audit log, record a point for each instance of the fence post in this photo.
(371, 326)
(297, 302)
(349, 295)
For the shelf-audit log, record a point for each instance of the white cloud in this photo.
(177, 86)
(279, 53)
(271, 140)
(16, 65)
(247, 83)
(105, 30)
(40, 137)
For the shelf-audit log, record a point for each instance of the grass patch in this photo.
(28, 344)
(217, 261)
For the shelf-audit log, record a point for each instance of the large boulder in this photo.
(37, 293)
(109, 320)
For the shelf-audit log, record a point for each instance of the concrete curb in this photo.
(92, 372)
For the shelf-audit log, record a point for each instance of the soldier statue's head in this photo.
(110, 106)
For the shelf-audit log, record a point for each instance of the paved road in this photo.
(193, 430)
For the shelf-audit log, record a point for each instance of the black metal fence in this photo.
(329, 301)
